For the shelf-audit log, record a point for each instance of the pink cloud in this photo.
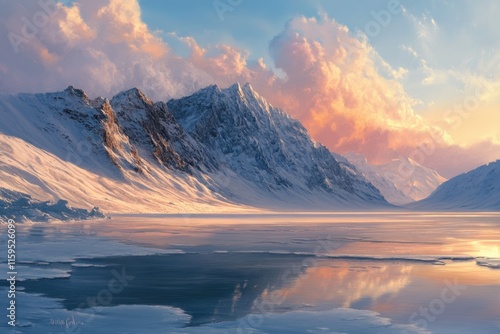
(333, 81)
(103, 47)
(333, 85)
(454, 159)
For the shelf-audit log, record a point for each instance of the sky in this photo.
(382, 78)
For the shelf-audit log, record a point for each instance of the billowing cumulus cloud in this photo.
(334, 85)
(103, 47)
(333, 81)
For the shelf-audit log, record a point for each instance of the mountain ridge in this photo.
(401, 180)
(478, 189)
(227, 125)
(218, 147)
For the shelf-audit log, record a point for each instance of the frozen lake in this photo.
(271, 273)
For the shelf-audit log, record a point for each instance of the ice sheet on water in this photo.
(433, 259)
(341, 320)
(87, 265)
(41, 314)
(68, 250)
(36, 272)
(490, 263)
(23, 208)
(46, 315)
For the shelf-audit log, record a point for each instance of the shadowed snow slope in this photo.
(217, 150)
(478, 189)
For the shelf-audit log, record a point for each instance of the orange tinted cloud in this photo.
(334, 82)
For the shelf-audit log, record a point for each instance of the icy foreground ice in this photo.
(349, 273)
(142, 319)
(22, 207)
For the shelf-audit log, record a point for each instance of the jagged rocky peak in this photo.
(221, 105)
(71, 98)
(264, 145)
(72, 102)
(209, 90)
(134, 106)
(214, 93)
(246, 89)
(133, 97)
(153, 131)
(202, 98)
(80, 93)
(235, 89)
(99, 102)
(250, 92)
(215, 135)
(244, 93)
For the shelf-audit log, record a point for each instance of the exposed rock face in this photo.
(221, 145)
(265, 146)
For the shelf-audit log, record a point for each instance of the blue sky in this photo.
(448, 35)
(445, 46)
(465, 36)
(373, 77)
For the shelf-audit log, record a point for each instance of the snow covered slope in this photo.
(28, 169)
(217, 150)
(388, 189)
(478, 189)
(413, 179)
(269, 150)
(401, 181)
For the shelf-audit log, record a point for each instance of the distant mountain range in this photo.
(218, 149)
(401, 181)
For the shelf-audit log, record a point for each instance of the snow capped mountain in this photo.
(215, 150)
(387, 188)
(152, 129)
(478, 189)
(267, 148)
(401, 181)
(71, 126)
(413, 179)
(65, 146)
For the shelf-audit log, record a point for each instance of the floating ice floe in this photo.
(41, 314)
(22, 207)
(490, 263)
(37, 258)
